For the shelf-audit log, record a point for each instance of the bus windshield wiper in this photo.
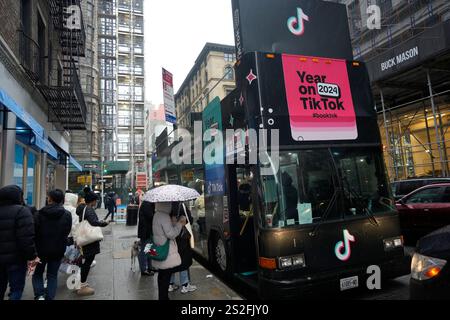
(326, 213)
(359, 198)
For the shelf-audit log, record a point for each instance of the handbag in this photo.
(86, 233)
(189, 228)
(155, 252)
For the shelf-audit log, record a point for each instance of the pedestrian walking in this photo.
(17, 244)
(53, 224)
(91, 250)
(70, 204)
(184, 249)
(146, 213)
(163, 230)
(110, 206)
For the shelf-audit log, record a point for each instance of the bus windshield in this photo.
(325, 184)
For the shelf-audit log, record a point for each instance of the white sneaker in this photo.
(173, 287)
(93, 264)
(188, 288)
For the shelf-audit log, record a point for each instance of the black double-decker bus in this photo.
(315, 209)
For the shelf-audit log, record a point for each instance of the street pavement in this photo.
(113, 278)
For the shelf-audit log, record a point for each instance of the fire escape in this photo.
(66, 99)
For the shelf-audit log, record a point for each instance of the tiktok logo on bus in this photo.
(342, 248)
(296, 24)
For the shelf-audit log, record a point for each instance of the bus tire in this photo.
(220, 255)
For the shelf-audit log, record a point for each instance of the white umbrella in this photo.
(171, 193)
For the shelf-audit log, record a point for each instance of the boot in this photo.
(85, 290)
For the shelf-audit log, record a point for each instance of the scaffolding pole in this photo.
(438, 139)
(388, 143)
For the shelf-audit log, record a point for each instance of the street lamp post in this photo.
(102, 203)
(102, 169)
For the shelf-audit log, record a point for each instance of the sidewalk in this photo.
(113, 278)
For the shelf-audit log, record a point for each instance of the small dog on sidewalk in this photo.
(134, 254)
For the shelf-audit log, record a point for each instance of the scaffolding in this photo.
(121, 64)
(413, 104)
(107, 42)
(400, 20)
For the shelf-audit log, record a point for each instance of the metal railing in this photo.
(78, 91)
(30, 57)
(72, 40)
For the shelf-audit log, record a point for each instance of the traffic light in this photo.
(105, 169)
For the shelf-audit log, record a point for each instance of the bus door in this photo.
(241, 219)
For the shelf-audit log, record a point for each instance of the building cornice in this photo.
(201, 57)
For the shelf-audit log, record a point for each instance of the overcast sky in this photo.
(175, 33)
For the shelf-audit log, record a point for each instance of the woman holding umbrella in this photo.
(164, 230)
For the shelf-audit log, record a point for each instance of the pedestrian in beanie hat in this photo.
(90, 197)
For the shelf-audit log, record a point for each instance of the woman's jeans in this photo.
(52, 279)
(145, 263)
(184, 277)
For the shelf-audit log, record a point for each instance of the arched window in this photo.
(229, 73)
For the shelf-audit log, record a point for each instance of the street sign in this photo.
(81, 179)
(141, 180)
(84, 179)
(90, 166)
(169, 102)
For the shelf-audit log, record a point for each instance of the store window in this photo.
(18, 165)
(31, 178)
(50, 182)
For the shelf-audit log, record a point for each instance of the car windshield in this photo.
(325, 184)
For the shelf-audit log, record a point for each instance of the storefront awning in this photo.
(44, 145)
(75, 163)
(37, 134)
(20, 113)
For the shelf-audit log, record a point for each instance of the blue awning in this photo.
(45, 145)
(20, 113)
(75, 163)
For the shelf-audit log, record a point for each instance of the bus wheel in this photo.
(220, 255)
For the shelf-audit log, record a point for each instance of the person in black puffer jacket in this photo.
(52, 224)
(91, 250)
(146, 213)
(16, 242)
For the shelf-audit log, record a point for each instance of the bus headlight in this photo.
(393, 243)
(424, 268)
(297, 261)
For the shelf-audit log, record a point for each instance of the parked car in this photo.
(424, 210)
(430, 269)
(403, 187)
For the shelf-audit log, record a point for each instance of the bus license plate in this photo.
(349, 283)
